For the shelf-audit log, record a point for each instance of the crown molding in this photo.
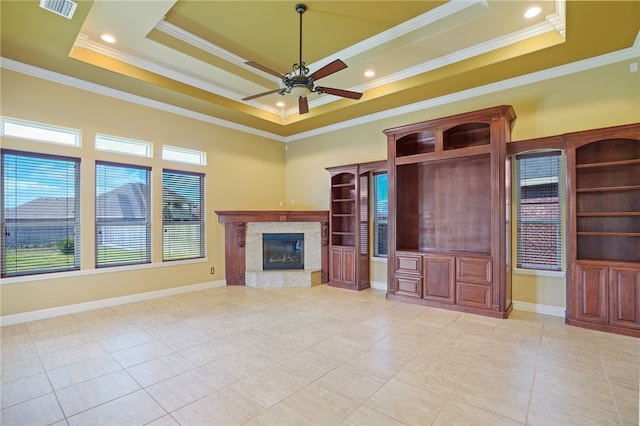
(632, 52)
(551, 23)
(629, 53)
(83, 41)
(77, 83)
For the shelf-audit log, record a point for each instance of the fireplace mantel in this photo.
(233, 216)
(235, 222)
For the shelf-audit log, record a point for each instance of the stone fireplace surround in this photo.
(311, 275)
(243, 246)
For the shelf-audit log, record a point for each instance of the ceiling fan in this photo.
(300, 82)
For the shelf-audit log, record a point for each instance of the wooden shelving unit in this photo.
(604, 203)
(348, 228)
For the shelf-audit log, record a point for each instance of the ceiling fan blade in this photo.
(328, 69)
(303, 105)
(248, 98)
(265, 69)
(340, 92)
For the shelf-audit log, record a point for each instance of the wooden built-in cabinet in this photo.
(448, 212)
(349, 227)
(604, 229)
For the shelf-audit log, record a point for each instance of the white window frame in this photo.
(40, 132)
(121, 223)
(184, 155)
(169, 221)
(123, 146)
(51, 223)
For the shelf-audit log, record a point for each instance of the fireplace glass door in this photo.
(282, 251)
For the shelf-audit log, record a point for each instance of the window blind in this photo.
(182, 218)
(40, 213)
(539, 215)
(380, 214)
(122, 215)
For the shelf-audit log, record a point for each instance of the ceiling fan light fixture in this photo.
(299, 82)
(299, 91)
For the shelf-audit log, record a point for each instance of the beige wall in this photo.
(243, 172)
(601, 97)
(250, 172)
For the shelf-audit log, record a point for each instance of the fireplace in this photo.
(282, 251)
(244, 247)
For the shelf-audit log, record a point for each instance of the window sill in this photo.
(539, 272)
(104, 270)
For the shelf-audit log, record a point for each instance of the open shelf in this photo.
(607, 217)
(466, 135)
(439, 218)
(608, 164)
(416, 143)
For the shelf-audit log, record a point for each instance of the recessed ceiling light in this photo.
(532, 12)
(280, 104)
(108, 38)
(369, 73)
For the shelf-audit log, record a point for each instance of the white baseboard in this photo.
(556, 311)
(104, 303)
(20, 318)
(378, 285)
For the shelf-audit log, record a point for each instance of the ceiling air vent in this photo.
(64, 8)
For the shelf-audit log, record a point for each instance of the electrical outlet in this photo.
(213, 270)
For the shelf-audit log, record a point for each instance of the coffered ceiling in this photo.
(191, 54)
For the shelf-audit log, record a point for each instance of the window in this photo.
(538, 203)
(123, 146)
(182, 218)
(40, 132)
(183, 155)
(40, 213)
(380, 215)
(122, 215)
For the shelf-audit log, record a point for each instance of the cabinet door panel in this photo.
(474, 269)
(624, 293)
(591, 302)
(474, 295)
(349, 265)
(409, 285)
(335, 264)
(439, 278)
(408, 263)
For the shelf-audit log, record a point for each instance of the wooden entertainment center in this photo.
(448, 225)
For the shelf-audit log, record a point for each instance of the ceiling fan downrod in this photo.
(300, 66)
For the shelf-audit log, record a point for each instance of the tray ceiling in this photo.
(191, 54)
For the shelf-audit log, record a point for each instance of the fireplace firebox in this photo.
(281, 251)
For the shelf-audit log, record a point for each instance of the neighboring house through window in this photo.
(182, 218)
(123, 214)
(40, 213)
(539, 212)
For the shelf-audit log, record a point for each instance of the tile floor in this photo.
(325, 356)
